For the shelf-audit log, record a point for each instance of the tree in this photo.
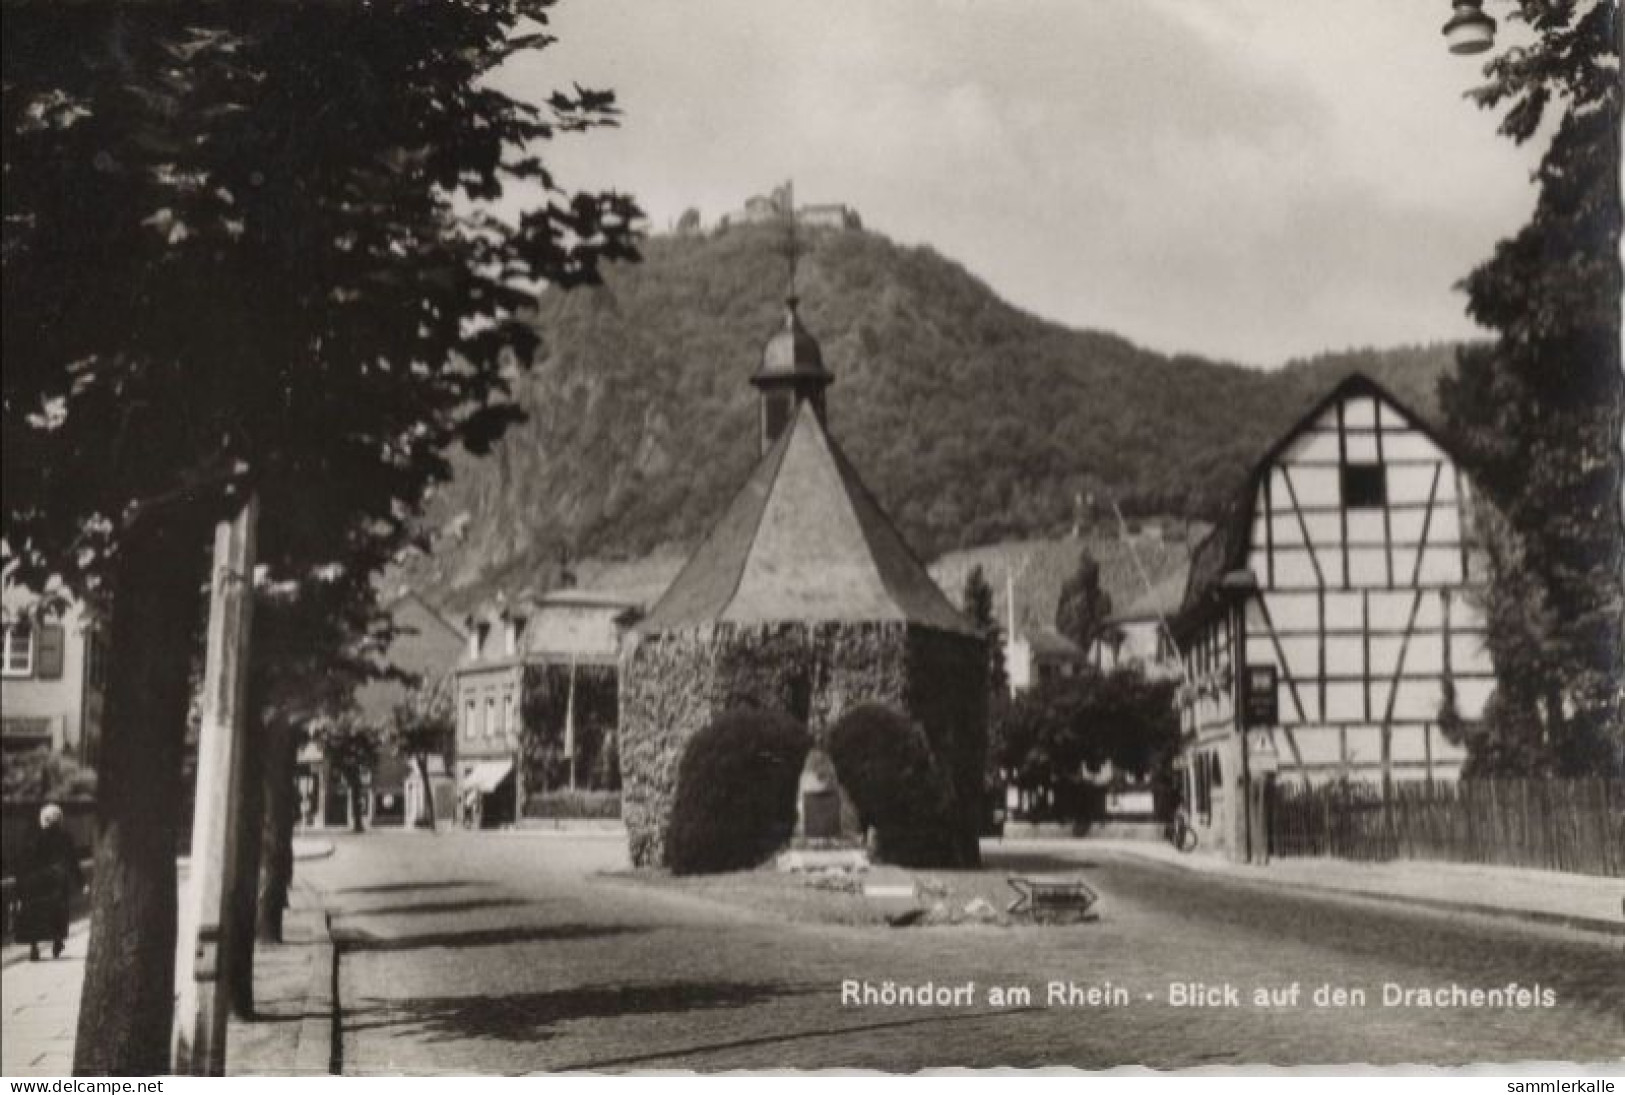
(350, 747)
(250, 252)
(1083, 607)
(978, 602)
(1049, 736)
(425, 725)
(1538, 414)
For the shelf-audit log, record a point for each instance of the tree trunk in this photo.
(356, 802)
(239, 965)
(428, 789)
(276, 831)
(127, 1007)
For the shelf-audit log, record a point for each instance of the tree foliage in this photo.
(350, 747)
(901, 789)
(424, 725)
(1084, 607)
(736, 792)
(245, 249)
(1539, 413)
(1051, 736)
(977, 600)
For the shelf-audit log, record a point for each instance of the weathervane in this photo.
(791, 248)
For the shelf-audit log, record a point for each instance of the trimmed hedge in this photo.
(736, 792)
(565, 804)
(885, 764)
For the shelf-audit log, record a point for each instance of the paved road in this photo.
(512, 954)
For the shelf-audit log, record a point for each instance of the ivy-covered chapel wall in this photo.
(673, 684)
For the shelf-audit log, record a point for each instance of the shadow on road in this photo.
(358, 941)
(423, 908)
(406, 887)
(530, 1016)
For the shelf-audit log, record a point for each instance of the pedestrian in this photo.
(46, 884)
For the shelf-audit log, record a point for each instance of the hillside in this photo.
(971, 420)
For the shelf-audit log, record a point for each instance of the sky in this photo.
(1252, 180)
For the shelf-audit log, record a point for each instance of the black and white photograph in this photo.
(741, 536)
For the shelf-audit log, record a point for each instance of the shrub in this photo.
(885, 764)
(588, 804)
(736, 792)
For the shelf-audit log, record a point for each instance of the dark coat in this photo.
(45, 887)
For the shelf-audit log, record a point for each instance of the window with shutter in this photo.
(48, 651)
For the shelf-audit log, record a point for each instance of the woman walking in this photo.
(46, 885)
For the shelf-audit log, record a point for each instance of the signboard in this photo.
(1258, 701)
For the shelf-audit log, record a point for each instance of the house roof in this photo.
(1225, 548)
(1048, 642)
(804, 540)
(1162, 599)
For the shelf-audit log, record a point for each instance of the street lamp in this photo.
(1469, 30)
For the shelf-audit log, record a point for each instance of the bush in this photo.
(736, 792)
(39, 775)
(591, 804)
(885, 764)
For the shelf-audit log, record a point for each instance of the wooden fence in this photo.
(1560, 825)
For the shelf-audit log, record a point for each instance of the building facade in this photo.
(53, 678)
(513, 651)
(1329, 624)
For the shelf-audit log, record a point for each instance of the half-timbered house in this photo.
(1327, 625)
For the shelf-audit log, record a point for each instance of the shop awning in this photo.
(486, 775)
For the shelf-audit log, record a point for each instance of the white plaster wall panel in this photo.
(1292, 612)
(1409, 742)
(1379, 698)
(1294, 570)
(1302, 656)
(1317, 746)
(1446, 525)
(1368, 568)
(1385, 655)
(1425, 654)
(1316, 486)
(1469, 653)
(1406, 525)
(1360, 447)
(1360, 411)
(1420, 699)
(1404, 563)
(1345, 655)
(1286, 530)
(1430, 612)
(1411, 445)
(1313, 447)
(1413, 483)
(1260, 651)
(1364, 745)
(1441, 566)
(1455, 753)
(1259, 538)
(1366, 527)
(1390, 609)
(1342, 610)
(1345, 701)
(1471, 695)
(1325, 529)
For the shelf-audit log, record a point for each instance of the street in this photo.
(510, 954)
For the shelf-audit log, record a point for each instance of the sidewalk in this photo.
(1588, 902)
(39, 1001)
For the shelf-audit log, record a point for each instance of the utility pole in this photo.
(204, 979)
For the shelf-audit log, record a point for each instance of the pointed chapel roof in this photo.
(804, 541)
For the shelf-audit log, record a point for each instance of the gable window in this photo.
(19, 650)
(1365, 486)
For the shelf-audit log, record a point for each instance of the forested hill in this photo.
(970, 419)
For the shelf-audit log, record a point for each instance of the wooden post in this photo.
(200, 1015)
